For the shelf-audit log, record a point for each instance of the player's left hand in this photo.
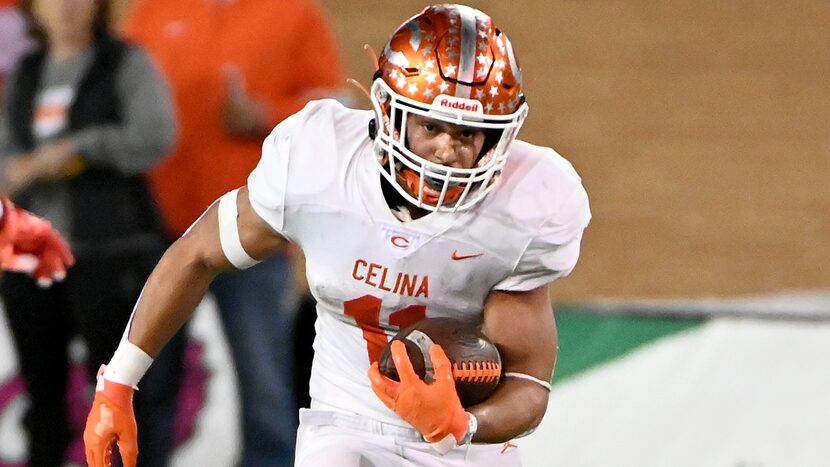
(111, 420)
(30, 244)
(432, 409)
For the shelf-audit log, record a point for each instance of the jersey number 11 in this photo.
(366, 312)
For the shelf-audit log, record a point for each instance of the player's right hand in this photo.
(111, 420)
(433, 409)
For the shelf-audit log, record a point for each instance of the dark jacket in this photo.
(111, 212)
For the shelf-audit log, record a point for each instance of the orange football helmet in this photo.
(452, 64)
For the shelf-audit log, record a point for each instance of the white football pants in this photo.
(336, 439)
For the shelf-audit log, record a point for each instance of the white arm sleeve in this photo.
(229, 232)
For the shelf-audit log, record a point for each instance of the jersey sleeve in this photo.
(554, 250)
(268, 183)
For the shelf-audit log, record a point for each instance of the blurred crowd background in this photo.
(701, 132)
(699, 129)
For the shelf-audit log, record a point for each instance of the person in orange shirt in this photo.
(237, 68)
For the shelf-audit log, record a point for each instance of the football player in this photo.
(408, 211)
(29, 244)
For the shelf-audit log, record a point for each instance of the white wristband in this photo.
(128, 364)
(523, 376)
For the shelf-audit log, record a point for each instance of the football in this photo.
(476, 363)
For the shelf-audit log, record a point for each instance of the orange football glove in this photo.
(111, 420)
(29, 244)
(432, 409)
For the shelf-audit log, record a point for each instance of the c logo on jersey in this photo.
(399, 241)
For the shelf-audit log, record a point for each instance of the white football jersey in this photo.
(318, 185)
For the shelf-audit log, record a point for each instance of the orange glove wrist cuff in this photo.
(457, 427)
(460, 425)
(119, 394)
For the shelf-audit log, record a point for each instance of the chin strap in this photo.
(413, 182)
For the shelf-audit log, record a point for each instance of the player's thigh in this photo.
(501, 455)
(332, 446)
(476, 455)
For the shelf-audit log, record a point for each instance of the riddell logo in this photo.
(465, 105)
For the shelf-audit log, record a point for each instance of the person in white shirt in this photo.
(408, 211)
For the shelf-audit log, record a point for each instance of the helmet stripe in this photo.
(467, 59)
(514, 67)
(415, 39)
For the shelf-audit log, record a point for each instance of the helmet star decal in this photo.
(448, 63)
(443, 37)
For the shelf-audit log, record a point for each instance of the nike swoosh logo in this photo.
(456, 257)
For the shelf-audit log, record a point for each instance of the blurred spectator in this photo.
(237, 68)
(14, 40)
(84, 117)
